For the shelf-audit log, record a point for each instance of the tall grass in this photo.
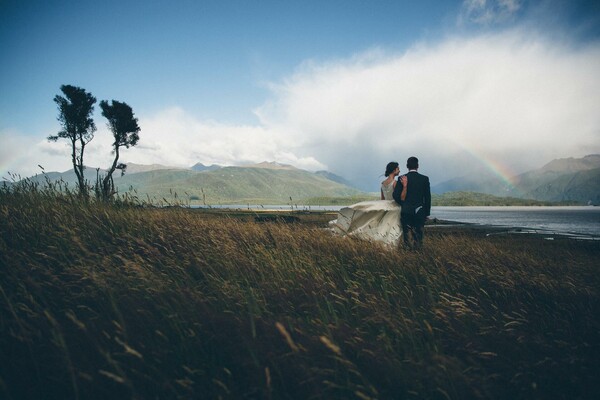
(119, 301)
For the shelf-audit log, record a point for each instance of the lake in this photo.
(583, 220)
(564, 220)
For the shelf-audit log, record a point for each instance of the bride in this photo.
(375, 220)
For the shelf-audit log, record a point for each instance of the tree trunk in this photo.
(78, 168)
(108, 187)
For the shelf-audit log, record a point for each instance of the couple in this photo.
(412, 192)
(405, 207)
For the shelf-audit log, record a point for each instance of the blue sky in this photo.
(340, 85)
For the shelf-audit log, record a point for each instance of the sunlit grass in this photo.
(102, 301)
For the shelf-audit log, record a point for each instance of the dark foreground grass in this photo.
(104, 301)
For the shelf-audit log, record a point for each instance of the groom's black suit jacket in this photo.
(418, 194)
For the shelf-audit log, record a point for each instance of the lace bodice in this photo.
(388, 191)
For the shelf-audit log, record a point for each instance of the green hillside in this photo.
(483, 199)
(568, 179)
(581, 186)
(564, 179)
(234, 185)
(271, 183)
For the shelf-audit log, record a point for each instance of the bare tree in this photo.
(75, 116)
(124, 127)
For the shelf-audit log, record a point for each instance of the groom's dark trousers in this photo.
(415, 208)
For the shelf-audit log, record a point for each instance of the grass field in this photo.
(116, 301)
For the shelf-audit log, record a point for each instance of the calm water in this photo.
(564, 220)
(572, 220)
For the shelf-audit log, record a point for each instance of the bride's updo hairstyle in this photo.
(391, 167)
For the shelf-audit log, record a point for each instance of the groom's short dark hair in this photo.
(412, 163)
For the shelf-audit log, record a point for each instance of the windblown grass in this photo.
(117, 301)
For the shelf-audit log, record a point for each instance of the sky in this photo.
(496, 86)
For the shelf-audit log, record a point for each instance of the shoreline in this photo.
(434, 225)
(496, 230)
(501, 230)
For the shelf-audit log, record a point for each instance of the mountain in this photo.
(67, 178)
(250, 184)
(571, 165)
(556, 169)
(201, 167)
(482, 199)
(272, 165)
(565, 179)
(133, 168)
(336, 178)
(90, 173)
(580, 186)
(562, 180)
(482, 182)
(263, 183)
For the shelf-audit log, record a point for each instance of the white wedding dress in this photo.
(377, 220)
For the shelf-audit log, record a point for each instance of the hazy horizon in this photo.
(481, 177)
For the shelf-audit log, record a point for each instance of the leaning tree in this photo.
(75, 115)
(124, 127)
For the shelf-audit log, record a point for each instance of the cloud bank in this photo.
(513, 97)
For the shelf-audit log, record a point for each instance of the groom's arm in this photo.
(427, 197)
(398, 192)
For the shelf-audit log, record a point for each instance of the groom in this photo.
(417, 205)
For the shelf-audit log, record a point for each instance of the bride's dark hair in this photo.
(391, 167)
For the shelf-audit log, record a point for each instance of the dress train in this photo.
(377, 220)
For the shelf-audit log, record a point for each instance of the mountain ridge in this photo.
(563, 179)
(260, 183)
(201, 167)
(133, 168)
(235, 184)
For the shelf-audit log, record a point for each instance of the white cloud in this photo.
(174, 137)
(512, 97)
(22, 155)
(171, 137)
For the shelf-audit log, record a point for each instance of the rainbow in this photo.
(497, 168)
